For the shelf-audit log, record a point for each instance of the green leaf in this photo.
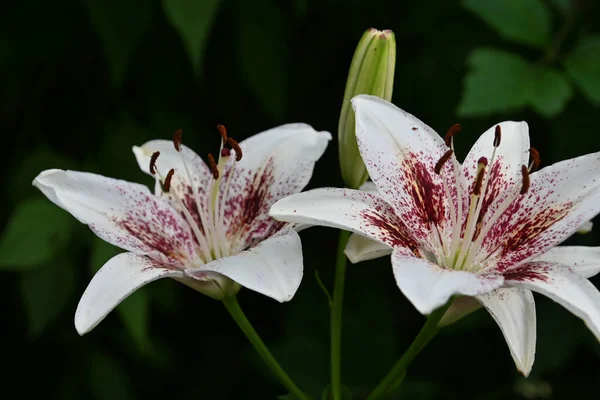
(108, 380)
(522, 21)
(496, 82)
(120, 25)
(45, 293)
(262, 50)
(134, 311)
(193, 20)
(500, 81)
(549, 92)
(583, 66)
(35, 232)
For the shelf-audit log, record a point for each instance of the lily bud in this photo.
(371, 72)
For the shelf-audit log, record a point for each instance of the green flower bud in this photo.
(371, 72)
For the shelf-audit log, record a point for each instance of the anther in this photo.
(153, 162)
(235, 146)
(213, 166)
(535, 159)
(454, 129)
(167, 184)
(525, 172)
(177, 139)
(497, 136)
(223, 131)
(442, 161)
(481, 166)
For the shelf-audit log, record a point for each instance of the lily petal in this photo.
(275, 164)
(460, 307)
(582, 259)
(347, 209)
(564, 286)
(273, 267)
(360, 248)
(513, 309)
(428, 286)
(124, 214)
(191, 173)
(505, 175)
(400, 153)
(561, 198)
(118, 278)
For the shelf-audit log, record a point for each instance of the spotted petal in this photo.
(124, 214)
(563, 285)
(275, 164)
(353, 210)
(428, 286)
(273, 267)
(560, 199)
(582, 259)
(400, 153)
(118, 278)
(513, 309)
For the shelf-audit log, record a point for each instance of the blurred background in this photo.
(84, 81)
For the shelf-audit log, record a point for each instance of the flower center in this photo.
(464, 250)
(207, 206)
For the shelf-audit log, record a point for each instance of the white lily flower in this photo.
(206, 226)
(487, 228)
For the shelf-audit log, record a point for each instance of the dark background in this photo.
(83, 81)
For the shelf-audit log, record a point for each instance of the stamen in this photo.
(535, 159)
(153, 162)
(213, 166)
(525, 186)
(177, 139)
(235, 146)
(454, 129)
(479, 181)
(167, 184)
(223, 131)
(497, 136)
(442, 161)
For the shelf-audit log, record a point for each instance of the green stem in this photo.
(336, 317)
(429, 330)
(239, 317)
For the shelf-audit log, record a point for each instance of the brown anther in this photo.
(442, 161)
(454, 129)
(479, 182)
(167, 184)
(223, 131)
(177, 139)
(535, 159)
(153, 162)
(213, 166)
(483, 161)
(497, 136)
(525, 172)
(235, 146)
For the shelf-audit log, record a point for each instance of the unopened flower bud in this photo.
(371, 72)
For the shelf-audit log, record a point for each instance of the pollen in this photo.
(167, 184)
(223, 131)
(535, 159)
(526, 182)
(177, 139)
(153, 159)
(213, 166)
(443, 160)
(497, 136)
(235, 146)
(454, 129)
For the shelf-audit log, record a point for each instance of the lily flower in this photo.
(206, 226)
(487, 228)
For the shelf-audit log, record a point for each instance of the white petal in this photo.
(400, 153)
(563, 285)
(347, 209)
(369, 187)
(124, 214)
(505, 177)
(275, 164)
(513, 309)
(118, 278)
(273, 267)
(428, 286)
(585, 228)
(360, 248)
(561, 198)
(460, 307)
(582, 259)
